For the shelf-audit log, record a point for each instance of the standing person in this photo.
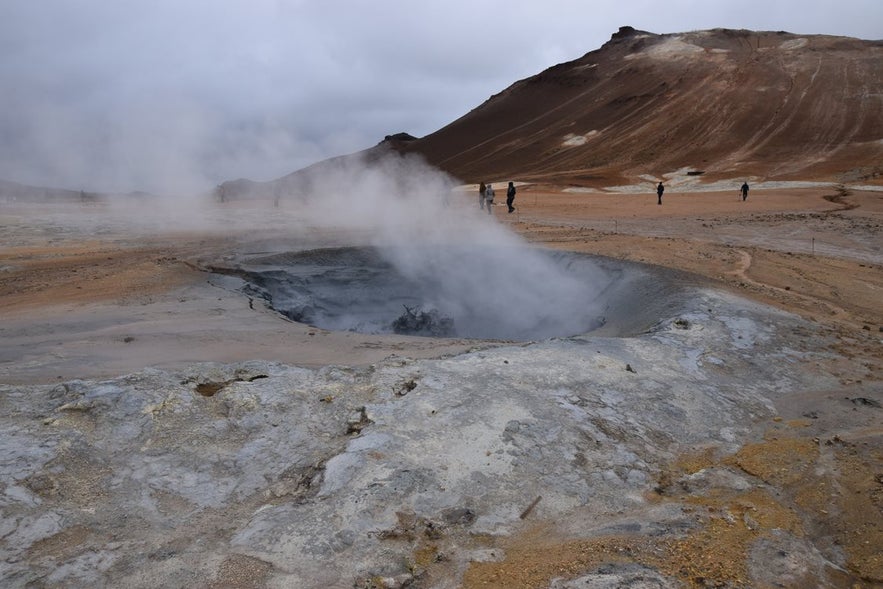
(744, 191)
(482, 191)
(510, 196)
(659, 190)
(489, 197)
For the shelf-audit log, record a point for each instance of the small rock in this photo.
(406, 387)
(357, 421)
(398, 582)
(458, 516)
(750, 522)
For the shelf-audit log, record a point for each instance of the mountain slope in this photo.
(729, 103)
(13, 191)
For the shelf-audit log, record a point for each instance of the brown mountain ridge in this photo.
(729, 103)
(720, 104)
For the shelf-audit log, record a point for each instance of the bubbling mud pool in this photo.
(497, 293)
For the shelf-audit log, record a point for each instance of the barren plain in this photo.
(793, 498)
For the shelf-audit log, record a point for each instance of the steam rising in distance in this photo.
(464, 263)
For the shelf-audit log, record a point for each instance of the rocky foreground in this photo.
(673, 459)
(160, 428)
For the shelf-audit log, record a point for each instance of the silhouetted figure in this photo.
(659, 190)
(510, 196)
(744, 191)
(482, 192)
(489, 198)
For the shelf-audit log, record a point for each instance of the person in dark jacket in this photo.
(510, 196)
(744, 191)
(659, 190)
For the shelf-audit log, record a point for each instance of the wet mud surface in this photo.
(459, 292)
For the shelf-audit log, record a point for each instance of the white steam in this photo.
(461, 261)
(465, 263)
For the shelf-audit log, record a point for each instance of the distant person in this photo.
(510, 196)
(744, 191)
(659, 190)
(482, 192)
(489, 197)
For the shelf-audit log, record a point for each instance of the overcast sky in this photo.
(178, 95)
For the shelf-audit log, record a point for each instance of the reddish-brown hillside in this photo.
(730, 103)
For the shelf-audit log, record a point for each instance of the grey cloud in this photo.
(173, 96)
